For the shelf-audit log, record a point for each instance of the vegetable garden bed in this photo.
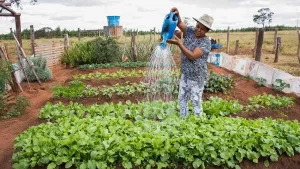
(143, 134)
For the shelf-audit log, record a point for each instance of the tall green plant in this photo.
(5, 70)
(79, 53)
(107, 50)
(41, 69)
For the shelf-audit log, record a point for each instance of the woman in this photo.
(194, 53)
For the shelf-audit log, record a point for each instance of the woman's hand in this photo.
(175, 10)
(174, 41)
(181, 25)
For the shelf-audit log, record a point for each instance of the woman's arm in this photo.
(191, 55)
(181, 25)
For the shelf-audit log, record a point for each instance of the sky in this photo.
(145, 15)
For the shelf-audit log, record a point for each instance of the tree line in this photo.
(59, 33)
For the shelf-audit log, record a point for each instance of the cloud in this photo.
(144, 15)
(80, 3)
(63, 18)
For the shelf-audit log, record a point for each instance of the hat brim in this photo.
(208, 27)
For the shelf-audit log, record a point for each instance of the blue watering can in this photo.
(168, 28)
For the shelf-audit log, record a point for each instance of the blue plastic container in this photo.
(113, 20)
(217, 61)
(168, 28)
(215, 46)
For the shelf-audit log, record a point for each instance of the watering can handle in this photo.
(172, 14)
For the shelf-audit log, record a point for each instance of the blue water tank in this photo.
(113, 20)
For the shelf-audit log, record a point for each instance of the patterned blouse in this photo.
(195, 70)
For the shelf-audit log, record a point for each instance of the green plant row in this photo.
(142, 110)
(269, 101)
(219, 83)
(109, 142)
(110, 65)
(78, 89)
(121, 74)
(168, 85)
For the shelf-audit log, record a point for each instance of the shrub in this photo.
(98, 51)
(79, 53)
(41, 69)
(5, 70)
(218, 83)
(107, 50)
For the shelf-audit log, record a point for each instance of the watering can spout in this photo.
(168, 28)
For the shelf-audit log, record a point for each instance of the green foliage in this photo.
(98, 51)
(265, 15)
(108, 141)
(110, 65)
(107, 50)
(15, 109)
(219, 107)
(280, 85)
(132, 111)
(79, 53)
(165, 85)
(75, 90)
(218, 83)
(144, 49)
(261, 81)
(5, 70)
(269, 101)
(41, 69)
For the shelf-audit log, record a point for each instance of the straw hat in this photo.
(206, 20)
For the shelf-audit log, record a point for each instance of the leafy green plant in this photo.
(218, 107)
(108, 142)
(107, 50)
(79, 53)
(15, 109)
(218, 83)
(74, 91)
(41, 69)
(281, 85)
(133, 111)
(261, 81)
(5, 69)
(269, 101)
(110, 65)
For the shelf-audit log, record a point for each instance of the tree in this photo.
(16, 3)
(265, 15)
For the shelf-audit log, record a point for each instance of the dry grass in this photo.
(288, 60)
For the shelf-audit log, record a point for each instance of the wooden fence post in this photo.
(133, 46)
(277, 52)
(298, 53)
(32, 39)
(228, 30)
(66, 42)
(218, 45)
(255, 45)
(78, 33)
(236, 47)
(259, 44)
(18, 28)
(154, 31)
(275, 40)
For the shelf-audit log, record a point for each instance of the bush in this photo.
(80, 53)
(218, 83)
(5, 70)
(107, 50)
(98, 51)
(16, 109)
(41, 69)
